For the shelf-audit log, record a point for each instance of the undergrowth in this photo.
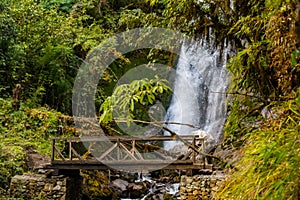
(23, 130)
(270, 165)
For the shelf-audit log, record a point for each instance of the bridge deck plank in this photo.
(176, 165)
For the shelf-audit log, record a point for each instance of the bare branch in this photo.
(155, 123)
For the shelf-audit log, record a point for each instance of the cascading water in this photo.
(199, 92)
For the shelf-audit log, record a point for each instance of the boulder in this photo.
(120, 184)
(209, 140)
(137, 190)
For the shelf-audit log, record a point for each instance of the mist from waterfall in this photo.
(199, 91)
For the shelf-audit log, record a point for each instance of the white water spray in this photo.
(199, 92)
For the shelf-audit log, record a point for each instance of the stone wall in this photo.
(35, 186)
(200, 186)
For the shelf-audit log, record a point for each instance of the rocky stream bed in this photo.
(147, 186)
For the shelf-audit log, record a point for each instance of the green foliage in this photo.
(12, 161)
(42, 47)
(264, 65)
(36, 98)
(135, 18)
(61, 5)
(27, 127)
(266, 68)
(126, 98)
(207, 19)
(253, 62)
(38, 37)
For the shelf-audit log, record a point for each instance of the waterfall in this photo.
(199, 91)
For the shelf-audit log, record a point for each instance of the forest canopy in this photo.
(43, 43)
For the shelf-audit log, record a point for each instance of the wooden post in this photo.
(53, 149)
(70, 150)
(194, 147)
(203, 150)
(118, 149)
(133, 146)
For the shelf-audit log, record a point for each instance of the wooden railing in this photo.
(125, 149)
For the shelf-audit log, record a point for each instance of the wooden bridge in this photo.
(126, 153)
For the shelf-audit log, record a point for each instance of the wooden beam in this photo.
(121, 138)
(59, 153)
(76, 154)
(108, 151)
(127, 165)
(128, 152)
(135, 151)
(188, 154)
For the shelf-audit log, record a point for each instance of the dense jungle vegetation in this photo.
(44, 42)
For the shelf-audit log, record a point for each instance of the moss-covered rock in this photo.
(96, 186)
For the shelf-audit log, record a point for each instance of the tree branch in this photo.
(155, 122)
